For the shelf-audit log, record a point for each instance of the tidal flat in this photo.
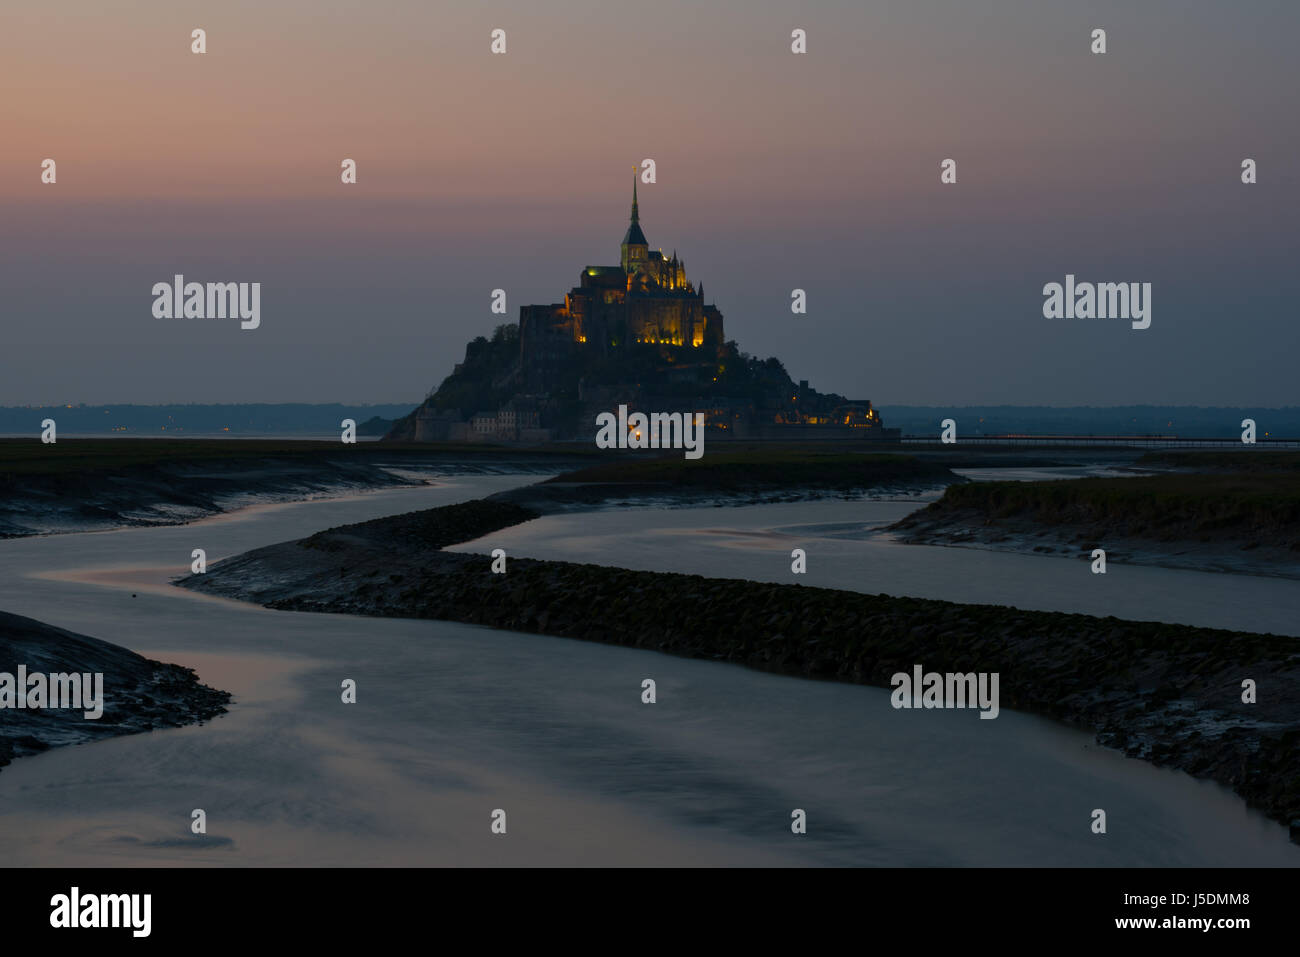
(1169, 694)
(1237, 513)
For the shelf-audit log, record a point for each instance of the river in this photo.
(453, 721)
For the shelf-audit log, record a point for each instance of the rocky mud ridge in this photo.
(139, 694)
(734, 478)
(1246, 522)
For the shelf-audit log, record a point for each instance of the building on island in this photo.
(645, 300)
(638, 333)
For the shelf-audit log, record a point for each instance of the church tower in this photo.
(635, 249)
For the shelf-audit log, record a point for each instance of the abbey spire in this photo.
(635, 249)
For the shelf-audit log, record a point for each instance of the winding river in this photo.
(454, 721)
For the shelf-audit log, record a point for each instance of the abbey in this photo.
(637, 334)
(646, 299)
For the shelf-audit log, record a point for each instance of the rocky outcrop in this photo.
(139, 694)
(1234, 521)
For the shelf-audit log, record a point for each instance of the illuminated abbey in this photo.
(645, 299)
(636, 334)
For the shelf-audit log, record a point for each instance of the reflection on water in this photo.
(453, 721)
(847, 549)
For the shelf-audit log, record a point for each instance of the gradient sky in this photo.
(775, 171)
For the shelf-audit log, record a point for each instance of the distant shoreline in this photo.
(305, 420)
(99, 484)
(78, 485)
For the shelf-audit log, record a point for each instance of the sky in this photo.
(775, 171)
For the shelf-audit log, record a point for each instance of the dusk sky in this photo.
(775, 171)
